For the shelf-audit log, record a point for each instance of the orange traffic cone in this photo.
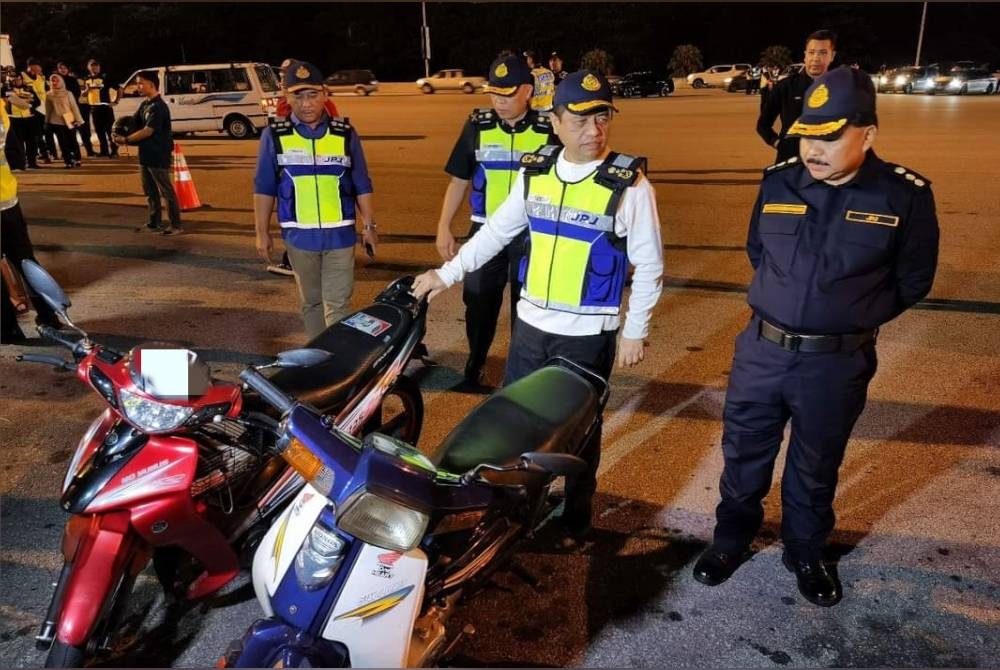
(187, 196)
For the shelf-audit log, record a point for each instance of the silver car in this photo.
(450, 80)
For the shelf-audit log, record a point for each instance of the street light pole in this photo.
(920, 39)
(425, 40)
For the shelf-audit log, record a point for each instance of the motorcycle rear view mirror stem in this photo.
(48, 288)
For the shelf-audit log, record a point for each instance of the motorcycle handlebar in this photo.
(49, 360)
(50, 333)
(268, 391)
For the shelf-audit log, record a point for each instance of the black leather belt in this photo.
(812, 343)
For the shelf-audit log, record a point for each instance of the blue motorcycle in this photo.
(366, 566)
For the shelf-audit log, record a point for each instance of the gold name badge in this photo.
(783, 208)
(877, 219)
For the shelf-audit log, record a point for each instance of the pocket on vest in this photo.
(602, 283)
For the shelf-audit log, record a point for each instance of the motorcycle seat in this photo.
(550, 410)
(355, 348)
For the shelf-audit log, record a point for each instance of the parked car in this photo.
(643, 83)
(716, 75)
(902, 79)
(359, 82)
(791, 70)
(450, 80)
(971, 80)
(231, 97)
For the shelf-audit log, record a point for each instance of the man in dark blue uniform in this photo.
(841, 242)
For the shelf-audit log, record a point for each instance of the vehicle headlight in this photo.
(883, 79)
(320, 556)
(690, 77)
(727, 80)
(152, 416)
(954, 83)
(382, 522)
(902, 79)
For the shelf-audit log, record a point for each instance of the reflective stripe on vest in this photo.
(572, 265)
(309, 181)
(498, 155)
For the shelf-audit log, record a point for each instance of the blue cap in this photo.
(584, 92)
(506, 74)
(300, 75)
(833, 101)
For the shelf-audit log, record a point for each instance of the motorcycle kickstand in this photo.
(446, 656)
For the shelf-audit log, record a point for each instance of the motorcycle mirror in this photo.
(560, 465)
(45, 286)
(302, 358)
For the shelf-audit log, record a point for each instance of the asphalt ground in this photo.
(918, 529)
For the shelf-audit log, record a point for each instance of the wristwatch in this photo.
(371, 226)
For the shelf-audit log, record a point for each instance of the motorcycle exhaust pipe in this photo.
(47, 632)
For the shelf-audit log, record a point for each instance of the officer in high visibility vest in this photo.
(23, 118)
(590, 212)
(545, 83)
(313, 166)
(45, 141)
(15, 245)
(487, 154)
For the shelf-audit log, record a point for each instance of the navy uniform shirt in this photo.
(841, 259)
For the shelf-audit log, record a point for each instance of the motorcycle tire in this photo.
(62, 655)
(406, 405)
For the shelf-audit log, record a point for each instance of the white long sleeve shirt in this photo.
(636, 220)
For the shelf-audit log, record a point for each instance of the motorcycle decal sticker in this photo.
(376, 607)
(383, 567)
(367, 323)
(279, 541)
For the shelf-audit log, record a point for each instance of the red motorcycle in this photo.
(180, 468)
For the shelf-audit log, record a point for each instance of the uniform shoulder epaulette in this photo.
(619, 171)
(909, 176)
(541, 161)
(483, 117)
(783, 165)
(340, 125)
(542, 124)
(280, 125)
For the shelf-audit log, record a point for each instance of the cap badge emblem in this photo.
(818, 97)
(302, 72)
(591, 83)
(501, 70)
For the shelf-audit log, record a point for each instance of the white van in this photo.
(231, 97)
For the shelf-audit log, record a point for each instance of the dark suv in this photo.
(360, 82)
(641, 84)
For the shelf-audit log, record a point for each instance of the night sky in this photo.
(385, 36)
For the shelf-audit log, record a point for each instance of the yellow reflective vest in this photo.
(498, 153)
(575, 262)
(8, 183)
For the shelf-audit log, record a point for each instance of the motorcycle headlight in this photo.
(320, 556)
(152, 416)
(381, 521)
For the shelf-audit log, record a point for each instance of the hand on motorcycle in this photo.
(264, 246)
(429, 284)
(445, 244)
(630, 352)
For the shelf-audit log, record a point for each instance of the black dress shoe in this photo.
(816, 584)
(715, 567)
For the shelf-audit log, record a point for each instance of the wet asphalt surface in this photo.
(917, 541)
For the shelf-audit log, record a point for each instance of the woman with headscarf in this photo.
(62, 114)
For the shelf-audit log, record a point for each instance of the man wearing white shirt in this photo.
(590, 213)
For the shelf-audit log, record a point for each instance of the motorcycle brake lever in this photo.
(55, 361)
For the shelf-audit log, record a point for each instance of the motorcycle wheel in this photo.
(402, 412)
(62, 655)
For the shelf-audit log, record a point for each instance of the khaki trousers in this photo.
(326, 282)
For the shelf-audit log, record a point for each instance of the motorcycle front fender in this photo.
(272, 643)
(100, 549)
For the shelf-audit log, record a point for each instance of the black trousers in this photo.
(529, 349)
(67, 143)
(49, 137)
(822, 394)
(84, 130)
(104, 120)
(16, 246)
(482, 293)
(24, 129)
(787, 147)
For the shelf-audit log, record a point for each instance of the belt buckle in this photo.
(790, 342)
